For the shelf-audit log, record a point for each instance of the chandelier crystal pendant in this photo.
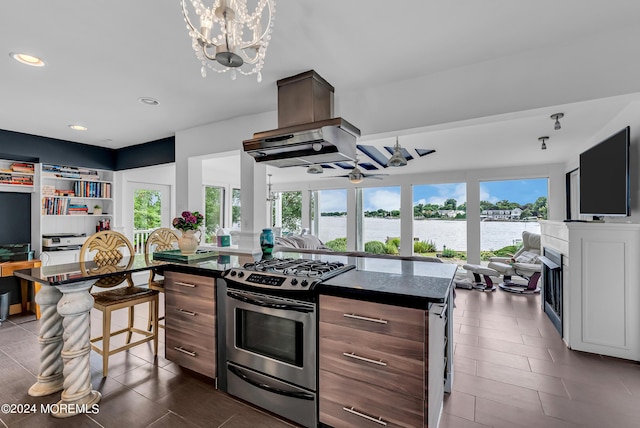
(227, 37)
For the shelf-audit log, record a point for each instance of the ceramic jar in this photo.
(188, 242)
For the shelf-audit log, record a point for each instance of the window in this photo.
(329, 217)
(235, 209)
(150, 205)
(381, 225)
(287, 212)
(214, 211)
(146, 209)
(439, 219)
(507, 208)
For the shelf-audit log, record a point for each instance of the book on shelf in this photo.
(22, 167)
(60, 171)
(52, 205)
(89, 189)
(25, 180)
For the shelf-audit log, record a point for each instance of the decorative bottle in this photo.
(266, 241)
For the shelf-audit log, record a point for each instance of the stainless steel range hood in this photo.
(306, 132)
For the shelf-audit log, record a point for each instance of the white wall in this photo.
(160, 174)
(216, 137)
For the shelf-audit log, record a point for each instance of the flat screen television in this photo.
(604, 177)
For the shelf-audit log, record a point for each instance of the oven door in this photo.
(272, 335)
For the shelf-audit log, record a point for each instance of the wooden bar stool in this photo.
(162, 239)
(105, 252)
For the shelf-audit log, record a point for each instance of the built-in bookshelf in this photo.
(70, 197)
(73, 191)
(16, 176)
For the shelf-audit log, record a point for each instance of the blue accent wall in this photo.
(16, 145)
(51, 150)
(152, 153)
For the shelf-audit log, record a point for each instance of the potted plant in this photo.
(189, 223)
(97, 210)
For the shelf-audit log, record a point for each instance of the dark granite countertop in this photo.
(407, 283)
(386, 280)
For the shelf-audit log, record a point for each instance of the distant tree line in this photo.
(537, 209)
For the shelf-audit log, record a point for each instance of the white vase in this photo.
(188, 242)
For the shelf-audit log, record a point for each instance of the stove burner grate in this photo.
(297, 267)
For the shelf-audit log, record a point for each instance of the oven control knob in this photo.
(294, 281)
(304, 283)
(240, 274)
(233, 273)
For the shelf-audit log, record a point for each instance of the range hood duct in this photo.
(307, 134)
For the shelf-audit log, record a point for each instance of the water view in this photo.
(449, 233)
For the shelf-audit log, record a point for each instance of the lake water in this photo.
(453, 234)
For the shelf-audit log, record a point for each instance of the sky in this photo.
(388, 198)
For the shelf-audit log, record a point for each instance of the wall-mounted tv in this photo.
(604, 177)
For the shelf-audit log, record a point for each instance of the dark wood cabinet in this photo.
(190, 322)
(373, 364)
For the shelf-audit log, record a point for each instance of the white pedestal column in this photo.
(74, 307)
(50, 378)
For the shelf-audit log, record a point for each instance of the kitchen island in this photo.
(414, 296)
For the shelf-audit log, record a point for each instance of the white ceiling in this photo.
(102, 55)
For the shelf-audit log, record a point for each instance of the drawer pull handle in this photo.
(365, 359)
(184, 351)
(185, 284)
(184, 311)
(364, 416)
(360, 317)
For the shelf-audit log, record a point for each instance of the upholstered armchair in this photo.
(524, 263)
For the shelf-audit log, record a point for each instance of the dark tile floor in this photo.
(512, 370)
(139, 392)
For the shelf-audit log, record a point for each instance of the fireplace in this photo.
(552, 286)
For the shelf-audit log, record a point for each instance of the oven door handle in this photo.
(269, 388)
(283, 306)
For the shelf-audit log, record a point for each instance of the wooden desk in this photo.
(7, 269)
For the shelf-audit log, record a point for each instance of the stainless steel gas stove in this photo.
(285, 275)
(271, 334)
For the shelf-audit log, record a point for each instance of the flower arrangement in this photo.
(188, 221)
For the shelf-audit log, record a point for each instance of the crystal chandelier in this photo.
(271, 197)
(227, 37)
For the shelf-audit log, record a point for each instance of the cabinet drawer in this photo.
(346, 402)
(193, 285)
(192, 351)
(182, 311)
(395, 363)
(390, 320)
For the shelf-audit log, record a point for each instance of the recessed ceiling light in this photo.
(78, 127)
(26, 59)
(149, 101)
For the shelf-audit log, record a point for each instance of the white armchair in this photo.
(524, 263)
